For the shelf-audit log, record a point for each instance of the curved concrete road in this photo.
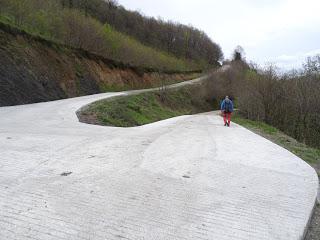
(183, 178)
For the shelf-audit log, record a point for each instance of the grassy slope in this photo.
(144, 108)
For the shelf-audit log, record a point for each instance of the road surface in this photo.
(184, 178)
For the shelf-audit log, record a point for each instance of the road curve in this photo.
(183, 178)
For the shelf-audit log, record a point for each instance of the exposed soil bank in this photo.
(33, 69)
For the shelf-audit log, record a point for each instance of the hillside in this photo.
(59, 49)
(178, 39)
(107, 29)
(33, 69)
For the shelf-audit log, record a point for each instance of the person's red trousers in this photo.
(227, 117)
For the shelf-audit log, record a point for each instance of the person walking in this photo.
(227, 110)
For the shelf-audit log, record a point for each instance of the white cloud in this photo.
(295, 60)
(286, 57)
(299, 55)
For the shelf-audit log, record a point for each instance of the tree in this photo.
(312, 65)
(238, 54)
(165, 36)
(83, 32)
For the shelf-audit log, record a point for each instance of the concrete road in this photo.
(184, 178)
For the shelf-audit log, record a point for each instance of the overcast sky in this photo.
(283, 32)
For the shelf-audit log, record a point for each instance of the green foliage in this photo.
(131, 111)
(267, 129)
(6, 19)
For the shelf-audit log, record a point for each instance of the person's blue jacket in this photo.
(227, 105)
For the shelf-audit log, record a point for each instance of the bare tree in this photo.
(238, 54)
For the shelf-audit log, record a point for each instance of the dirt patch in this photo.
(88, 118)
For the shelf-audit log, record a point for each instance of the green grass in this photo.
(145, 108)
(6, 19)
(131, 111)
(255, 125)
(309, 154)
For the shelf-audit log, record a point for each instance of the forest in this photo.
(180, 40)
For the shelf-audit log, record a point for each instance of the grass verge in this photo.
(145, 108)
(308, 154)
